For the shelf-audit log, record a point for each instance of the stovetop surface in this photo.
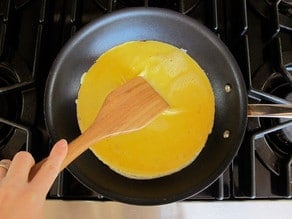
(258, 34)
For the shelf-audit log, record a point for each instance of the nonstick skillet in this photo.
(203, 46)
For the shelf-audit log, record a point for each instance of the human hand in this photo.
(21, 198)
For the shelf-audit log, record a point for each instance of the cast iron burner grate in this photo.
(268, 140)
(8, 104)
(272, 139)
(183, 6)
(18, 95)
(267, 8)
(13, 134)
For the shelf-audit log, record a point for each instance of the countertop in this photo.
(179, 210)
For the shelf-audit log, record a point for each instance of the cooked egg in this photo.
(176, 137)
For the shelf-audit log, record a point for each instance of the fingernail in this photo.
(63, 143)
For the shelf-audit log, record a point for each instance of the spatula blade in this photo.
(131, 106)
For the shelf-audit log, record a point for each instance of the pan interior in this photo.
(160, 25)
(177, 135)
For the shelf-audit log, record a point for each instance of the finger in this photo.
(48, 172)
(20, 166)
(4, 166)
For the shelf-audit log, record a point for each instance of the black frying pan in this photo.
(149, 24)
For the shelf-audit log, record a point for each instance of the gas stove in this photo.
(257, 32)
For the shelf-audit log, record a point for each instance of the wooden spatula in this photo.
(127, 108)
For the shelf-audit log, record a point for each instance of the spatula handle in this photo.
(77, 147)
(36, 168)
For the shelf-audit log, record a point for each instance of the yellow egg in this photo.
(176, 137)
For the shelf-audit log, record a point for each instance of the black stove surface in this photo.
(257, 32)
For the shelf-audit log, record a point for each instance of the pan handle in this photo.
(270, 110)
